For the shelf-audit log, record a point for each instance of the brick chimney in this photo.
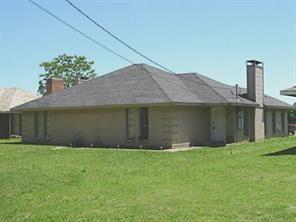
(255, 81)
(54, 85)
(255, 93)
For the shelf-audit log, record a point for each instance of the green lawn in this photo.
(235, 183)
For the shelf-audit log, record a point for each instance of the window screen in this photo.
(273, 122)
(240, 120)
(36, 125)
(144, 124)
(283, 121)
(45, 117)
(130, 124)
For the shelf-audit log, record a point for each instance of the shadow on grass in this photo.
(15, 144)
(289, 151)
(11, 143)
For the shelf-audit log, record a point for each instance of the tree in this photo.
(66, 67)
(292, 119)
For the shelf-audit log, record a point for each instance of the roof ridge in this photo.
(161, 89)
(90, 81)
(205, 76)
(7, 98)
(10, 98)
(13, 97)
(2, 90)
(211, 88)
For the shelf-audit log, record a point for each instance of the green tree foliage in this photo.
(292, 119)
(66, 67)
(292, 116)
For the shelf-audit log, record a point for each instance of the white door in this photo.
(218, 125)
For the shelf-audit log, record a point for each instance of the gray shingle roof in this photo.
(141, 84)
(275, 103)
(212, 91)
(11, 97)
(229, 95)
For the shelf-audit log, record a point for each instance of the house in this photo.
(10, 121)
(142, 106)
(289, 92)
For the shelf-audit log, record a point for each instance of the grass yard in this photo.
(235, 183)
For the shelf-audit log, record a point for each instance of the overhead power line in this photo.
(126, 44)
(117, 38)
(80, 32)
(115, 53)
(95, 41)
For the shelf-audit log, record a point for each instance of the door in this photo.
(218, 125)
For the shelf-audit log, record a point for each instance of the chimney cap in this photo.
(55, 78)
(254, 62)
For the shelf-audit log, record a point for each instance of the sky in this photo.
(214, 38)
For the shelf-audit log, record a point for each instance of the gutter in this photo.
(280, 107)
(17, 110)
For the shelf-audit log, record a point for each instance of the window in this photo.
(246, 124)
(21, 124)
(240, 120)
(144, 124)
(130, 124)
(283, 121)
(36, 125)
(45, 125)
(273, 122)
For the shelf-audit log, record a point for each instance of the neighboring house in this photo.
(289, 92)
(142, 106)
(292, 124)
(10, 122)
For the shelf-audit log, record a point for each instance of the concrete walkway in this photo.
(172, 150)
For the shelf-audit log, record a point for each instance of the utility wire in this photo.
(80, 32)
(98, 43)
(95, 41)
(117, 38)
(117, 54)
(126, 44)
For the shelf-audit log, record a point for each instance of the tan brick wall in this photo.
(279, 131)
(168, 126)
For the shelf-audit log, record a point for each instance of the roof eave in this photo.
(5, 112)
(280, 107)
(91, 107)
(16, 109)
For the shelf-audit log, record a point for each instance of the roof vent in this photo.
(80, 79)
